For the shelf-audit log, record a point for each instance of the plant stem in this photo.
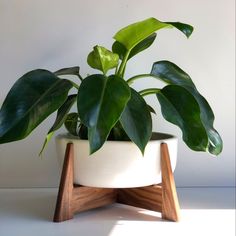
(116, 69)
(75, 85)
(80, 77)
(149, 91)
(132, 79)
(123, 64)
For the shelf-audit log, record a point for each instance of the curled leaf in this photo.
(102, 59)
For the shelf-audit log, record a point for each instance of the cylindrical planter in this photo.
(118, 164)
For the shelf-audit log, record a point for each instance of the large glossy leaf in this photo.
(121, 50)
(179, 107)
(133, 34)
(172, 74)
(60, 119)
(101, 101)
(32, 99)
(136, 120)
(102, 59)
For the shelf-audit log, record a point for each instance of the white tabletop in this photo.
(204, 211)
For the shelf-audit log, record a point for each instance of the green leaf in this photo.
(83, 132)
(102, 59)
(136, 120)
(68, 71)
(185, 28)
(62, 113)
(72, 122)
(172, 74)
(118, 134)
(101, 101)
(32, 99)
(179, 107)
(133, 34)
(61, 117)
(121, 50)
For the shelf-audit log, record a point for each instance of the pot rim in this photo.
(156, 136)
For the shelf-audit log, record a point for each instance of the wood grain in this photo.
(149, 197)
(85, 198)
(170, 203)
(64, 197)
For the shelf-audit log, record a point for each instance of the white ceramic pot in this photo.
(118, 164)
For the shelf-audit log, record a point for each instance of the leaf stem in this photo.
(80, 77)
(123, 64)
(132, 79)
(75, 85)
(149, 91)
(116, 69)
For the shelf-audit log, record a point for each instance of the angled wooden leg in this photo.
(161, 198)
(76, 198)
(64, 197)
(170, 203)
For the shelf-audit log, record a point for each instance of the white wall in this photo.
(59, 33)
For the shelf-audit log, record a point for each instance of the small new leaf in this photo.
(102, 59)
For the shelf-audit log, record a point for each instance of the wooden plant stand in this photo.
(72, 198)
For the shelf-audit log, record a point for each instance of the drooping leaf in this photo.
(136, 120)
(101, 101)
(32, 99)
(172, 74)
(185, 28)
(63, 111)
(68, 71)
(179, 107)
(102, 59)
(60, 119)
(133, 34)
(121, 50)
(72, 122)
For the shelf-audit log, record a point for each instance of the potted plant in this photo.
(113, 122)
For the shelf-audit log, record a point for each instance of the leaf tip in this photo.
(189, 30)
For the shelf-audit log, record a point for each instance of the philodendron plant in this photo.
(108, 107)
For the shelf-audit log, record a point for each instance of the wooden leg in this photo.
(75, 198)
(162, 198)
(64, 197)
(170, 203)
